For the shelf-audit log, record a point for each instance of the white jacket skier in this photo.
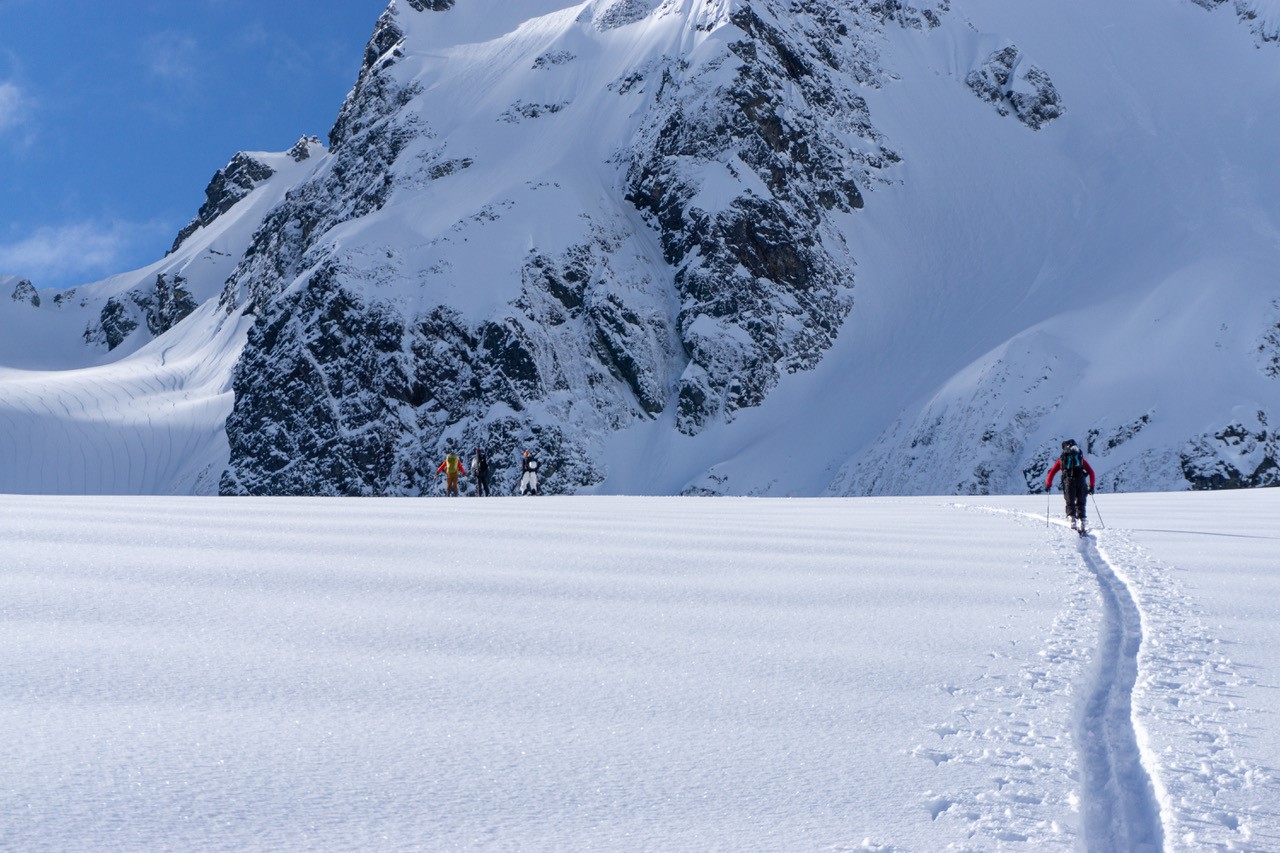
(529, 474)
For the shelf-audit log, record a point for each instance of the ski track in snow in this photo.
(1212, 794)
(1119, 802)
(1149, 674)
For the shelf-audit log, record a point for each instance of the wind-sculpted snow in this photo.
(149, 423)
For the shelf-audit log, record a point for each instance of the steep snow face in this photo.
(1117, 268)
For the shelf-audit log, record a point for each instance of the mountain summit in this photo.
(708, 247)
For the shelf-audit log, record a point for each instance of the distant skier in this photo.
(1074, 467)
(480, 473)
(529, 474)
(452, 468)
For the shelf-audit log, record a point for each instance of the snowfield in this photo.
(618, 673)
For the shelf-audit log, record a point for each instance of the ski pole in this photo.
(1047, 497)
(1096, 512)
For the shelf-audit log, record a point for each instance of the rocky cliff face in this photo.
(738, 165)
(764, 279)
(1016, 87)
(709, 262)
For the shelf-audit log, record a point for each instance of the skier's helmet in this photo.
(1068, 444)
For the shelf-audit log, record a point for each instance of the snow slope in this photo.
(639, 673)
(1110, 274)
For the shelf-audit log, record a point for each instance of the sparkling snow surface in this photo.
(612, 673)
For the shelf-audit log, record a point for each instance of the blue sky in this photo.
(113, 116)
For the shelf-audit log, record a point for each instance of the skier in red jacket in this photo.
(1073, 466)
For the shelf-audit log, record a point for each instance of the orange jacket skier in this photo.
(452, 467)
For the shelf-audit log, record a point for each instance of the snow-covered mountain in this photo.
(708, 246)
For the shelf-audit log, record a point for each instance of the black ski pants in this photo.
(1075, 493)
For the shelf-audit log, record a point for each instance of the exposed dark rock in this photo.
(160, 307)
(1235, 457)
(764, 280)
(553, 58)
(522, 110)
(115, 323)
(339, 396)
(907, 16)
(301, 149)
(25, 291)
(1269, 345)
(1027, 93)
(229, 184)
(368, 136)
(431, 5)
(168, 305)
(1104, 441)
(1267, 29)
(621, 13)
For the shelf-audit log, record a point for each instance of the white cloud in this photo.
(14, 106)
(56, 256)
(173, 57)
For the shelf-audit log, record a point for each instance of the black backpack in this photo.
(1072, 460)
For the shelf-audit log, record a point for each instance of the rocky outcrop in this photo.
(387, 394)
(1238, 456)
(229, 185)
(25, 291)
(303, 148)
(1266, 27)
(1014, 86)
(1269, 344)
(365, 141)
(159, 308)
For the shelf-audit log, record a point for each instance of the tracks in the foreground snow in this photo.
(1119, 803)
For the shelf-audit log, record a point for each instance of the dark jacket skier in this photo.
(529, 474)
(480, 473)
(1074, 467)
